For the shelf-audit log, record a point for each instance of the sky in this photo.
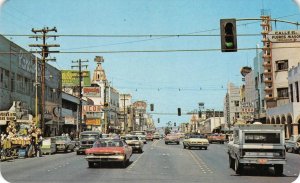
(169, 80)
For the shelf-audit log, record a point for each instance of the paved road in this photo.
(158, 163)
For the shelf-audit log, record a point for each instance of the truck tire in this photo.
(238, 167)
(91, 164)
(278, 170)
(231, 162)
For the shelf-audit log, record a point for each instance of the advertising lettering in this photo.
(91, 91)
(91, 108)
(7, 116)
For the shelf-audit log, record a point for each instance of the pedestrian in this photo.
(39, 146)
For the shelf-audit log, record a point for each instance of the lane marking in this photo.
(200, 163)
(134, 163)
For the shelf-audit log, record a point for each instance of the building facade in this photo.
(18, 85)
(232, 105)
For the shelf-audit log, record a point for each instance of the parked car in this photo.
(134, 142)
(293, 144)
(64, 143)
(199, 141)
(172, 138)
(48, 145)
(108, 150)
(143, 138)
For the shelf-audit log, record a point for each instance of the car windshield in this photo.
(89, 136)
(131, 138)
(108, 143)
(61, 138)
(197, 136)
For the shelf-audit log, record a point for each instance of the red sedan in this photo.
(108, 150)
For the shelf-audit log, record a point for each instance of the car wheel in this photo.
(91, 164)
(278, 170)
(184, 146)
(190, 147)
(205, 148)
(177, 143)
(124, 163)
(238, 167)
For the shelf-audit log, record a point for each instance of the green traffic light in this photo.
(229, 44)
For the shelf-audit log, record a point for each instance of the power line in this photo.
(126, 35)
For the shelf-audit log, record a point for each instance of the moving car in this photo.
(134, 142)
(172, 138)
(108, 150)
(199, 141)
(216, 137)
(149, 136)
(156, 136)
(64, 143)
(86, 140)
(293, 144)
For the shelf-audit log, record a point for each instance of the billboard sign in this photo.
(71, 78)
(91, 91)
(91, 108)
(69, 120)
(93, 122)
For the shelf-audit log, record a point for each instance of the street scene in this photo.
(150, 91)
(158, 163)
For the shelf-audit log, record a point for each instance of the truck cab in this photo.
(257, 145)
(86, 140)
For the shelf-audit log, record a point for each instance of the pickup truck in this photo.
(260, 145)
(219, 138)
(293, 144)
(86, 140)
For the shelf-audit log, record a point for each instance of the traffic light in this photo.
(174, 123)
(151, 107)
(179, 111)
(228, 35)
(158, 120)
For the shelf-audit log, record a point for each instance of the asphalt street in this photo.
(158, 163)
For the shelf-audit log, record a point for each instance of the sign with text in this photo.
(71, 78)
(69, 120)
(284, 36)
(91, 91)
(7, 116)
(91, 108)
(93, 122)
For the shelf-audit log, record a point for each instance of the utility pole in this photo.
(80, 76)
(44, 53)
(124, 113)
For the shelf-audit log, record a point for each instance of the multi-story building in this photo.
(253, 104)
(284, 55)
(18, 85)
(232, 107)
(140, 108)
(106, 98)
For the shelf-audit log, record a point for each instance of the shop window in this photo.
(282, 65)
